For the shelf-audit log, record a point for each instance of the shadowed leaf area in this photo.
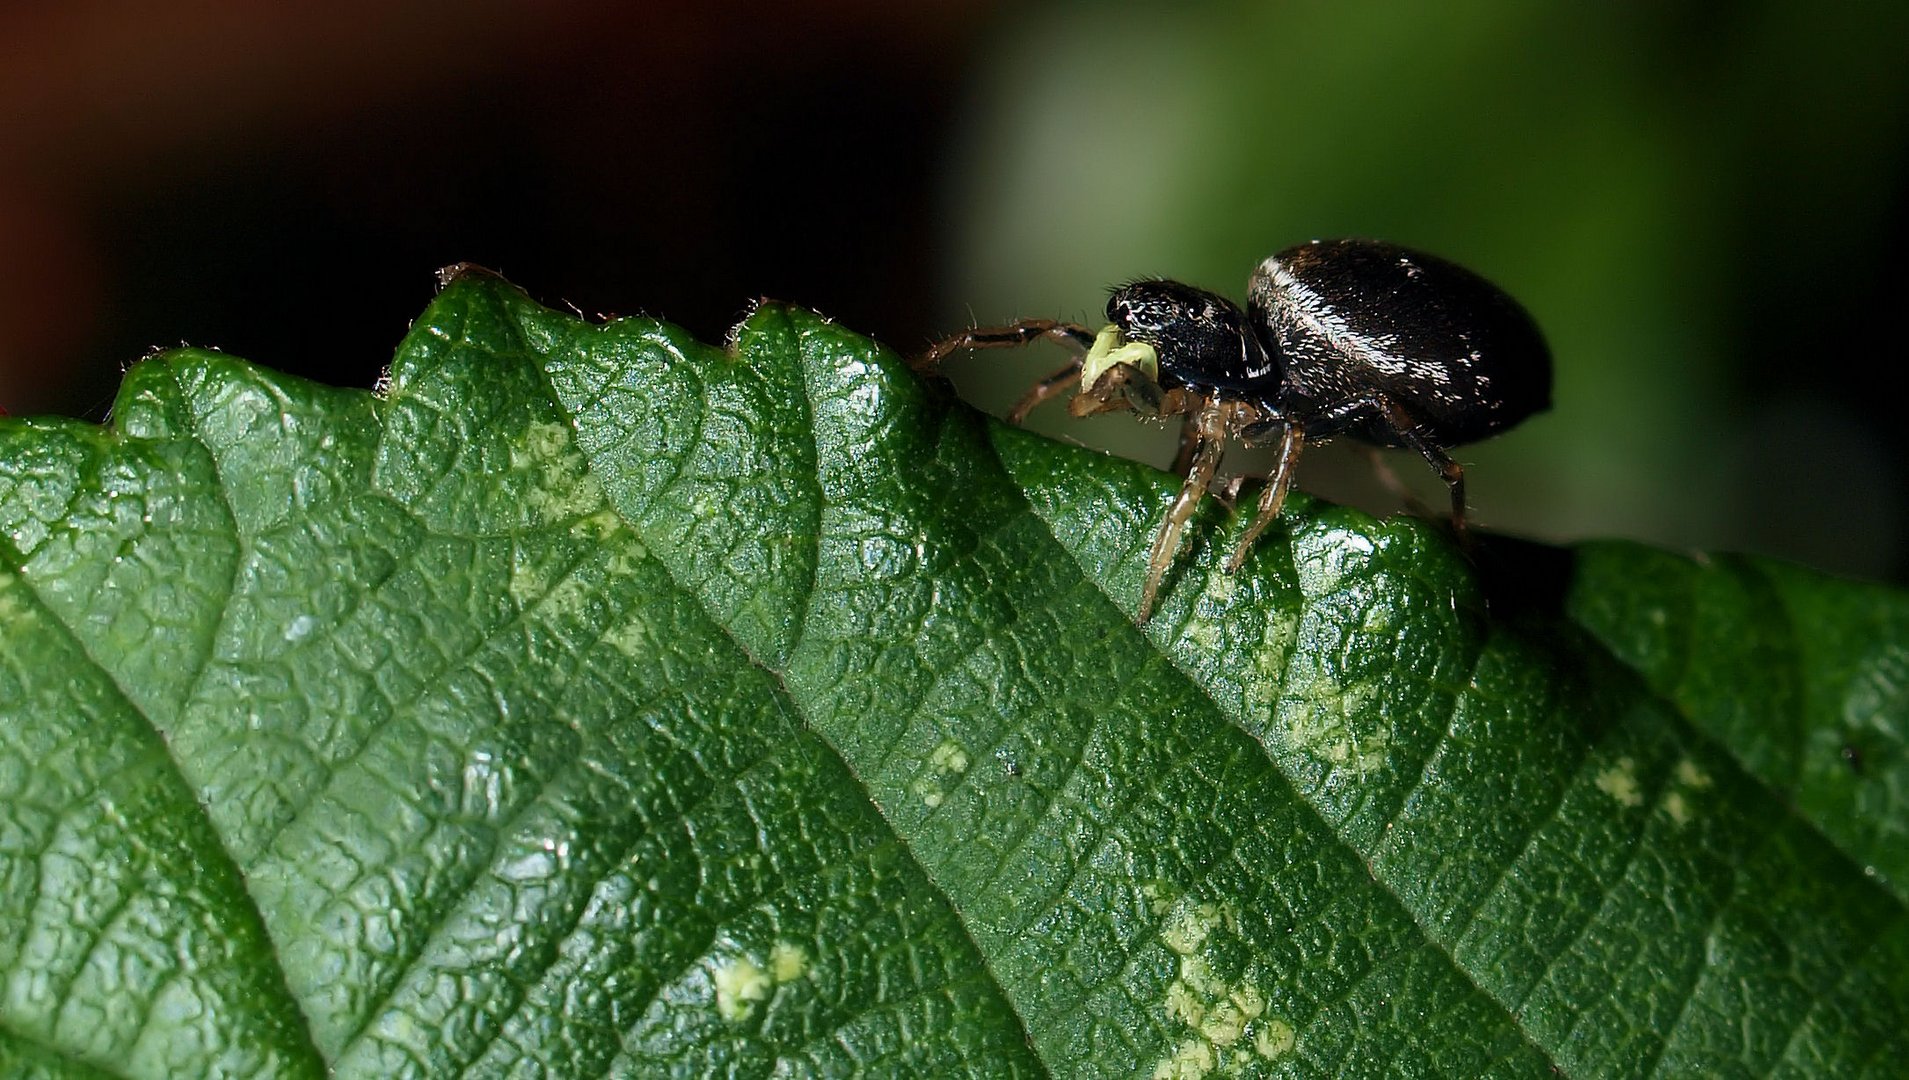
(593, 702)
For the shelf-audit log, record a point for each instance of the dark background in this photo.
(1704, 204)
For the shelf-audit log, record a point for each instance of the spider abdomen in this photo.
(1355, 323)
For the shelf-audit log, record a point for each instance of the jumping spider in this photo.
(1360, 338)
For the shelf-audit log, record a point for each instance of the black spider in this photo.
(1359, 338)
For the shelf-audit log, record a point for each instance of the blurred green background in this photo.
(1703, 204)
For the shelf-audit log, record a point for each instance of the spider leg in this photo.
(1210, 428)
(1292, 439)
(1071, 335)
(1054, 385)
(1124, 386)
(1391, 482)
(1453, 473)
(1143, 393)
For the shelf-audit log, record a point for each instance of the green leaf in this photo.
(1804, 678)
(595, 702)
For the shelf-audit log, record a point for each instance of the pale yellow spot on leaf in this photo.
(1224, 1023)
(562, 484)
(1322, 726)
(1677, 808)
(740, 983)
(788, 961)
(1187, 928)
(1203, 632)
(949, 757)
(1620, 783)
(568, 599)
(1184, 1005)
(1191, 1060)
(1198, 974)
(945, 762)
(1250, 1001)
(928, 790)
(630, 639)
(1691, 775)
(1219, 1015)
(601, 525)
(1274, 1038)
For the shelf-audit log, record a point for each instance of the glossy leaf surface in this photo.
(597, 702)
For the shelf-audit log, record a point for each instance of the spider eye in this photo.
(1136, 314)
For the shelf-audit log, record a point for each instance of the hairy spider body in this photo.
(1355, 338)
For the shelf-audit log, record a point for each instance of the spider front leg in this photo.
(1124, 386)
(1072, 336)
(1210, 424)
(1058, 382)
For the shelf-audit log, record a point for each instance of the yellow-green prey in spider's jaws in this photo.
(1109, 350)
